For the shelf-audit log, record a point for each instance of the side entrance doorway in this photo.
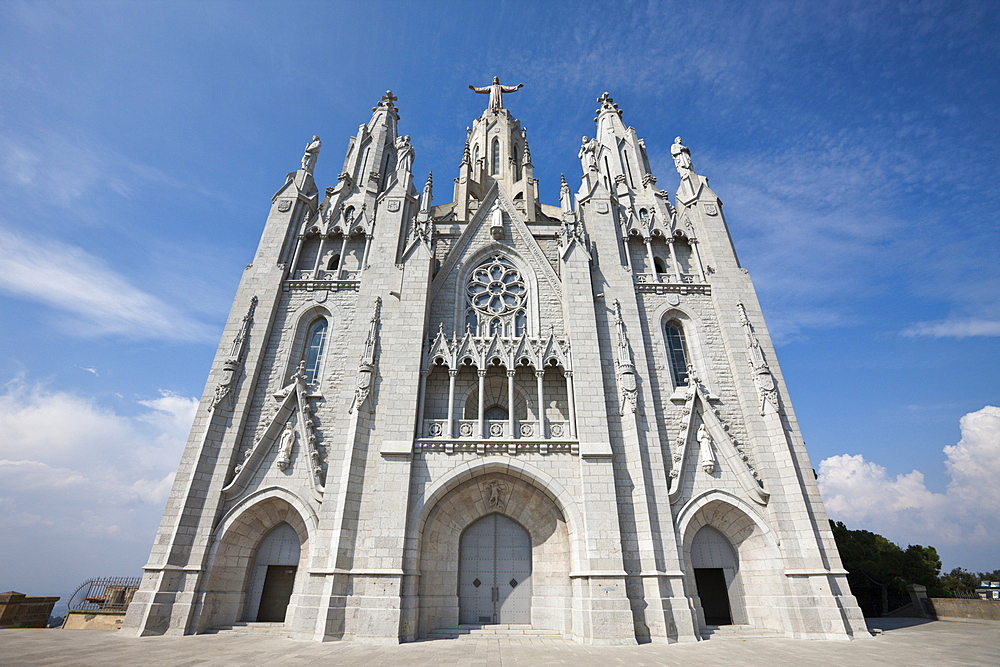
(278, 584)
(494, 581)
(272, 575)
(711, 583)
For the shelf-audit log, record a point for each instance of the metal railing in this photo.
(104, 594)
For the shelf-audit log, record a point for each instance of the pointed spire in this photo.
(425, 199)
(526, 158)
(565, 198)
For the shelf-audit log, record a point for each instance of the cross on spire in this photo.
(387, 101)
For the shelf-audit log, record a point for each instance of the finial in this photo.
(607, 104)
(387, 102)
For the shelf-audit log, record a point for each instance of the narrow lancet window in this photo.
(677, 353)
(315, 346)
(496, 157)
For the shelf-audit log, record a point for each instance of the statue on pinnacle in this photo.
(496, 90)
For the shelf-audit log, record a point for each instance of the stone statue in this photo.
(285, 449)
(588, 154)
(311, 154)
(404, 154)
(682, 157)
(496, 90)
(496, 490)
(707, 451)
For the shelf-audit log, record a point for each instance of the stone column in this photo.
(319, 258)
(673, 260)
(652, 260)
(571, 407)
(420, 402)
(697, 259)
(539, 377)
(452, 372)
(364, 258)
(510, 404)
(343, 251)
(482, 399)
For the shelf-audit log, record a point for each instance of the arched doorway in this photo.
(494, 581)
(715, 573)
(272, 575)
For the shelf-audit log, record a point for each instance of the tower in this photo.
(496, 411)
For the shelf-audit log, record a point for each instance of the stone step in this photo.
(484, 631)
(253, 628)
(737, 632)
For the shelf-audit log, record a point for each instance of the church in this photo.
(427, 419)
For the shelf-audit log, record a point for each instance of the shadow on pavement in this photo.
(889, 623)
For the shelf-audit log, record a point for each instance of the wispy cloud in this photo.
(98, 300)
(954, 328)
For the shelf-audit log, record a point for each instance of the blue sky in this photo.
(854, 145)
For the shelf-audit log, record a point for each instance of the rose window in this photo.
(496, 287)
(497, 297)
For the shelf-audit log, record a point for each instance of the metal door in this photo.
(494, 580)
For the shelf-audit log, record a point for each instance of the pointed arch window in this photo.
(475, 155)
(496, 157)
(644, 217)
(315, 347)
(676, 352)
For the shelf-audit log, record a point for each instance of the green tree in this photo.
(874, 561)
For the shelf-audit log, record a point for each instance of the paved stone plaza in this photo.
(905, 641)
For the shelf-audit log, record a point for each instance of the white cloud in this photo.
(954, 328)
(83, 465)
(99, 300)
(862, 494)
(82, 487)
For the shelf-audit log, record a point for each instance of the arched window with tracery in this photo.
(315, 346)
(676, 352)
(497, 298)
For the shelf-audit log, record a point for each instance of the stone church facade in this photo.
(496, 412)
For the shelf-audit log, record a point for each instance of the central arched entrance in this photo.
(494, 581)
